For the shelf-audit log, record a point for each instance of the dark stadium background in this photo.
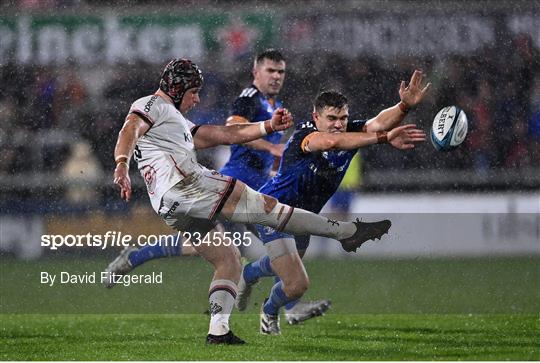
(466, 242)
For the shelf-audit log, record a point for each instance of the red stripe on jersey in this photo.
(146, 118)
(178, 168)
(226, 193)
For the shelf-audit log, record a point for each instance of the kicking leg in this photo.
(248, 206)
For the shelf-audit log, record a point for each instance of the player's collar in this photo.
(165, 97)
(268, 97)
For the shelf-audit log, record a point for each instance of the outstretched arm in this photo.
(134, 127)
(209, 135)
(410, 96)
(258, 144)
(403, 137)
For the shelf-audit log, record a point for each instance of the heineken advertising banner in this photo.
(113, 38)
(58, 39)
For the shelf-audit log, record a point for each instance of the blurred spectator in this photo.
(518, 153)
(82, 171)
(70, 100)
(480, 140)
(498, 87)
(42, 99)
(237, 39)
(534, 118)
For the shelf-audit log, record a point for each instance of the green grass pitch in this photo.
(426, 309)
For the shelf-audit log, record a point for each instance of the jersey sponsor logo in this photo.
(215, 308)
(307, 125)
(170, 211)
(268, 230)
(248, 92)
(149, 175)
(326, 172)
(149, 104)
(333, 222)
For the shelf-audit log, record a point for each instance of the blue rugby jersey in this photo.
(308, 180)
(246, 164)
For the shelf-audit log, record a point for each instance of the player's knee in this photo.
(228, 263)
(232, 261)
(236, 264)
(269, 203)
(297, 287)
(255, 207)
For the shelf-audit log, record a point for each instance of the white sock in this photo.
(302, 221)
(221, 297)
(254, 207)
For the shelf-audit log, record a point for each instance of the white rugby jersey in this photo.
(165, 154)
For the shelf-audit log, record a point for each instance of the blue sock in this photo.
(164, 248)
(253, 271)
(291, 304)
(276, 300)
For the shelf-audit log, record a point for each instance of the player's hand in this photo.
(277, 150)
(404, 137)
(281, 119)
(413, 93)
(121, 178)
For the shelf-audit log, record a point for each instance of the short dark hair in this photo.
(330, 99)
(271, 54)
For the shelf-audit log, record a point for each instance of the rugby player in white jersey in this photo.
(189, 196)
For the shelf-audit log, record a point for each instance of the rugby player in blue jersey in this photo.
(252, 162)
(315, 160)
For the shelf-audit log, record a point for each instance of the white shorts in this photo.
(192, 204)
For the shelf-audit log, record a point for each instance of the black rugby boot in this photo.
(364, 232)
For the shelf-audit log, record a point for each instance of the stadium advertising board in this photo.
(122, 39)
(393, 34)
(448, 225)
(59, 39)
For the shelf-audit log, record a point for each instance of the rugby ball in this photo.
(449, 128)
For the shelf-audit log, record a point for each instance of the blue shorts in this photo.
(268, 234)
(253, 179)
